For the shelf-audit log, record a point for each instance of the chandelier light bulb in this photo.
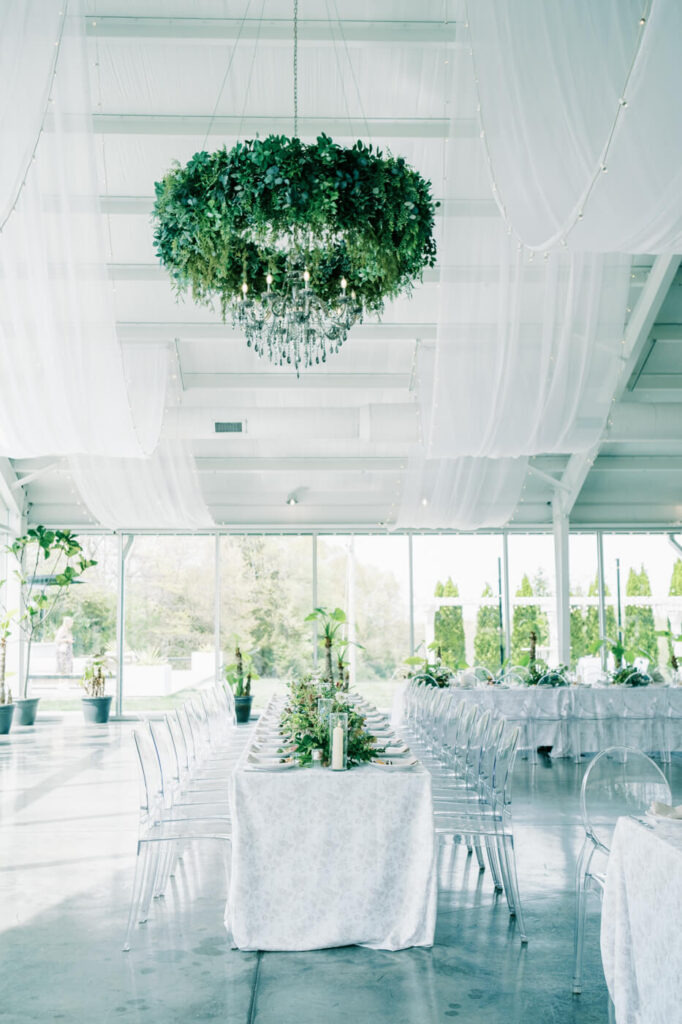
(245, 288)
(344, 284)
(268, 279)
(306, 276)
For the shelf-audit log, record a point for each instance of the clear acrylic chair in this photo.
(592, 719)
(491, 821)
(619, 781)
(161, 830)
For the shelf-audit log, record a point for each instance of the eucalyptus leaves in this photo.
(309, 731)
(270, 206)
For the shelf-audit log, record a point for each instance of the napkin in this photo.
(666, 811)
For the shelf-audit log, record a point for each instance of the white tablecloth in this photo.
(325, 859)
(641, 929)
(583, 719)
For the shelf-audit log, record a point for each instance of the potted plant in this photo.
(41, 594)
(6, 704)
(96, 704)
(239, 675)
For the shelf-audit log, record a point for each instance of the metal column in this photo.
(216, 608)
(563, 599)
(505, 598)
(601, 589)
(410, 557)
(123, 549)
(315, 644)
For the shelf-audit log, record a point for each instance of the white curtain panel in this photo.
(454, 493)
(161, 492)
(527, 355)
(580, 108)
(63, 387)
(460, 494)
(30, 33)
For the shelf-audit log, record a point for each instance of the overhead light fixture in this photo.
(297, 241)
(292, 499)
(425, 501)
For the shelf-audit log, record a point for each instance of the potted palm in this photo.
(239, 675)
(42, 593)
(332, 637)
(6, 704)
(96, 704)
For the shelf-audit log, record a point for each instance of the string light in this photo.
(602, 167)
(43, 120)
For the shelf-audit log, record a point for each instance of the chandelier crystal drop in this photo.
(295, 328)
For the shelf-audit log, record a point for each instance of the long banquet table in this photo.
(323, 858)
(582, 719)
(641, 925)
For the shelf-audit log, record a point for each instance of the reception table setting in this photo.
(332, 830)
(641, 937)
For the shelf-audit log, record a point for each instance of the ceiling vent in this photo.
(226, 427)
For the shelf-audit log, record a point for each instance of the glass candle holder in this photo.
(338, 741)
(324, 706)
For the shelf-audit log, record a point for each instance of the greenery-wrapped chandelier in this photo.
(296, 241)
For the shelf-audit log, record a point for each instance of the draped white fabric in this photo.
(527, 358)
(567, 89)
(29, 37)
(161, 492)
(460, 494)
(454, 493)
(63, 387)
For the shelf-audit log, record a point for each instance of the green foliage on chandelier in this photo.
(352, 213)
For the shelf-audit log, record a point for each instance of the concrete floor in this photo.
(67, 836)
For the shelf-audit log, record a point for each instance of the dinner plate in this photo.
(394, 764)
(284, 766)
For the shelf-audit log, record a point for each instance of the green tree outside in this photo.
(487, 636)
(592, 638)
(640, 630)
(526, 618)
(448, 627)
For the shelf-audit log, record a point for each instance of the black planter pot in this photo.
(242, 708)
(27, 709)
(6, 713)
(96, 710)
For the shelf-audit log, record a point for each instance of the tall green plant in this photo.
(640, 630)
(448, 627)
(63, 558)
(487, 636)
(527, 618)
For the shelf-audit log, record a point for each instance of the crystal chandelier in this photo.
(297, 241)
(294, 327)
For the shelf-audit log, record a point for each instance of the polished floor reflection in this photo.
(67, 839)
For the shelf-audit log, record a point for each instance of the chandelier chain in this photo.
(295, 69)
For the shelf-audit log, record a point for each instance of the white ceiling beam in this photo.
(338, 127)
(272, 30)
(324, 464)
(635, 337)
(11, 494)
(638, 464)
(130, 331)
(306, 382)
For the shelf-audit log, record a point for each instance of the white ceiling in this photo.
(338, 437)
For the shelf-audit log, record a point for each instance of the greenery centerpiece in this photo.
(296, 241)
(432, 673)
(65, 562)
(308, 730)
(538, 671)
